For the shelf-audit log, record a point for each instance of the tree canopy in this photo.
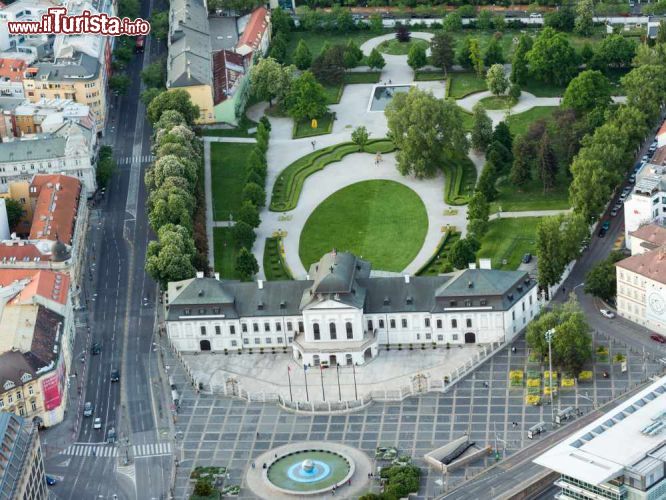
(551, 58)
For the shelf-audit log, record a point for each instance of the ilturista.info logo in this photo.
(57, 22)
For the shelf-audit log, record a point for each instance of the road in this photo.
(120, 316)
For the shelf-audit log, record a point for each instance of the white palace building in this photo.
(343, 314)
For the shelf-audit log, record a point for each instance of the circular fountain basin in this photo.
(309, 471)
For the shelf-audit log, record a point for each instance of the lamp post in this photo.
(337, 369)
(355, 389)
(321, 372)
(305, 374)
(549, 338)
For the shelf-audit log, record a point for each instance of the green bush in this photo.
(275, 267)
(460, 181)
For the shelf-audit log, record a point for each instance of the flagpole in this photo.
(305, 374)
(321, 372)
(291, 397)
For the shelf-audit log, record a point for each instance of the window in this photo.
(19, 395)
(257, 340)
(381, 323)
(300, 327)
(513, 315)
(439, 324)
(218, 330)
(10, 399)
(232, 329)
(267, 327)
(187, 312)
(440, 337)
(468, 303)
(332, 330)
(404, 323)
(30, 391)
(530, 300)
(392, 323)
(315, 330)
(244, 327)
(370, 326)
(427, 322)
(454, 323)
(201, 311)
(34, 406)
(278, 327)
(268, 340)
(246, 341)
(216, 310)
(2, 403)
(428, 336)
(289, 326)
(523, 304)
(315, 360)
(255, 327)
(203, 330)
(21, 411)
(234, 343)
(469, 323)
(455, 336)
(350, 330)
(290, 339)
(418, 336)
(279, 340)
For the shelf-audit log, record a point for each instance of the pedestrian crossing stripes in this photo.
(91, 450)
(151, 450)
(128, 160)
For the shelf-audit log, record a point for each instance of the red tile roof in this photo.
(9, 249)
(48, 284)
(57, 204)
(12, 69)
(662, 129)
(255, 28)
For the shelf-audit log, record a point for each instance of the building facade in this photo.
(621, 455)
(22, 474)
(343, 315)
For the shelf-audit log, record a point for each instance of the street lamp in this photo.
(355, 389)
(337, 368)
(549, 338)
(585, 396)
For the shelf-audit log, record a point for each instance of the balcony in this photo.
(333, 346)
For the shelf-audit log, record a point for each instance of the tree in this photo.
(171, 166)
(461, 254)
(482, 128)
(427, 131)
(584, 24)
(521, 170)
(344, 21)
(519, 65)
(494, 53)
(590, 187)
(170, 204)
(464, 55)
(14, 212)
(278, 50)
(243, 235)
(170, 257)
(353, 55)
(550, 254)
(442, 51)
(484, 20)
(417, 56)
(402, 34)
(106, 167)
(360, 137)
(632, 122)
(475, 56)
(376, 23)
(203, 487)
(562, 19)
(587, 53)
(452, 22)
(307, 98)
(646, 55)
(155, 74)
(149, 94)
(645, 87)
(159, 24)
(280, 21)
(515, 92)
(255, 194)
(487, 180)
(120, 84)
(249, 214)
(600, 281)
(376, 60)
(615, 51)
(329, 66)
(499, 22)
(547, 163)
(552, 59)
(587, 91)
(246, 265)
(271, 80)
(478, 212)
(178, 100)
(496, 80)
(502, 134)
(500, 156)
(302, 56)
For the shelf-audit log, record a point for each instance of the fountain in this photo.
(383, 94)
(309, 471)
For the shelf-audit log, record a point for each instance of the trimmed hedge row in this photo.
(275, 268)
(455, 192)
(434, 266)
(287, 187)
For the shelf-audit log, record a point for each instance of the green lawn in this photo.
(333, 93)
(228, 161)
(315, 40)
(362, 77)
(531, 196)
(274, 265)
(497, 102)
(225, 252)
(429, 76)
(507, 240)
(304, 128)
(382, 221)
(541, 89)
(396, 48)
(467, 120)
(241, 131)
(463, 84)
(519, 123)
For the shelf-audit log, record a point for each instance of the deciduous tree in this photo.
(482, 128)
(587, 91)
(307, 98)
(496, 80)
(246, 265)
(494, 53)
(178, 100)
(461, 254)
(519, 64)
(552, 59)
(302, 56)
(243, 234)
(376, 60)
(271, 80)
(417, 56)
(442, 50)
(360, 137)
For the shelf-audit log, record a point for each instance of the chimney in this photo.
(407, 278)
(260, 284)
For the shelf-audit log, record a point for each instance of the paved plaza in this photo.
(216, 430)
(391, 370)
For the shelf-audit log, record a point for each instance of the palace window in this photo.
(255, 327)
(392, 323)
(315, 330)
(370, 325)
(350, 330)
(404, 323)
(244, 327)
(218, 330)
(427, 322)
(267, 327)
(454, 323)
(469, 323)
(203, 330)
(439, 324)
(232, 329)
(381, 323)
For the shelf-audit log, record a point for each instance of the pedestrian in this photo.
(257, 435)
(313, 145)
(264, 465)
(390, 82)
(253, 465)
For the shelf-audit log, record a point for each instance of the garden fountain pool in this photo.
(309, 471)
(383, 94)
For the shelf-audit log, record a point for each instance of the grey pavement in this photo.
(527, 213)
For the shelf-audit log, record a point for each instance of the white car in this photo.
(607, 313)
(97, 424)
(535, 15)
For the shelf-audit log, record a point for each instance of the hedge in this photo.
(275, 268)
(455, 193)
(287, 187)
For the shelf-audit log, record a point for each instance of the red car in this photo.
(139, 44)
(658, 338)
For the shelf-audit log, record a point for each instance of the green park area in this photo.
(383, 221)
(507, 240)
(397, 48)
(531, 196)
(463, 84)
(520, 122)
(228, 161)
(225, 252)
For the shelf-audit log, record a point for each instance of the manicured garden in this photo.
(463, 84)
(357, 77)
(225, 252)
(519, 123)
(275, 268)
(460, 181)
(316, 41)
(507, 240)
(287, 187)
(531, 196)
(228, 162)
(439, 263)
(429, 76)
(497, 102)
(395, 47)
(382, 221)
(303, 128)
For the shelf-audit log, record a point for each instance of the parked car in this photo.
(111, 435)
(607, 313)
(50, 480)
(658, 338)
(96, 348)
(604, 229)
(88, 409)
(632, 178)
(527, 258)
(140, 44)
(97, 424)
(613, 212)
(606, 225)
(115, 375)
(535, 15)
(645, 158)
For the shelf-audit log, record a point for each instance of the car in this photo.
(602, 232)
(652, 149)
(645, 158)
(622, 198)
(613, 212)
(527, 258)
(535, 15)
(607, 313)
(140, 44)
(606, 225)
(50, 480)
(626, 190)
(111, 435)
(658, 338)
(88, 409)
(632, 178)
(632, 5)
(115, 375)
(95, 348)
(97, 424)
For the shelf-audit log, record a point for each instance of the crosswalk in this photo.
(128, 160)
(109, 451)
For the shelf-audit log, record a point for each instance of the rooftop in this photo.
(56, 208)
(79, 67)
(15, 440)
(50, 285)
(616, 441)
(650, 264)
(650, 233)
(189, 60)
(36, 148)
(12, 69)
(254, 30)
